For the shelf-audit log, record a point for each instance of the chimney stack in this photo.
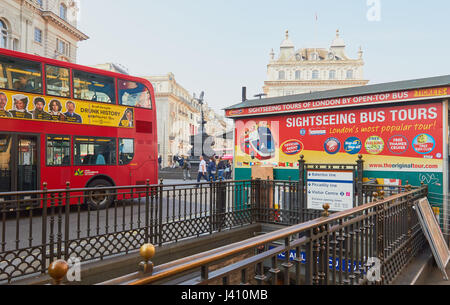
(244, 94)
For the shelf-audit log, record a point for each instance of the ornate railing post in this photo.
(160, 208)
(147, 211)
(380, 235)
(256, 211)
(44, 228)
(301, 187)
(359, 183)
(67, 221)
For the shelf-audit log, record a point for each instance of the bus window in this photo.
(94, 151)
(57, 80)
(20, 75)
(134, 94)
(126, 151)
(93, 87)
(58, 150)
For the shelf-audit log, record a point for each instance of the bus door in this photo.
(18, 162)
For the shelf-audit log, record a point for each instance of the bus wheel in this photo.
(99, 199)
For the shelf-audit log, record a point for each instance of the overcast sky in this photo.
(218, 46)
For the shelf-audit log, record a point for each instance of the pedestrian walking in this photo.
(186, 169)
(212, 169)
(201, 170)
(159, 161)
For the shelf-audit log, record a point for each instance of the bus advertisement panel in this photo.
(57, 109)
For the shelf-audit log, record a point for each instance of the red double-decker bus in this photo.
(64, 122)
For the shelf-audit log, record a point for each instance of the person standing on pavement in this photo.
(228, 170)
(201, 170)
(186, 169)
(212, 170)
(159, 161)
(221, 169)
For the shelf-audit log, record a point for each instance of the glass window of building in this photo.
(298, 74)
(281, 75)
(332, 74)
(63, 11)
(62, 47)
(20, 75)
(37, 35)
(93, 87)
(315, 74)
(94, 151)
(57, 80)
(58, 150)
(3, 35)
(134, 94)
(349, 74)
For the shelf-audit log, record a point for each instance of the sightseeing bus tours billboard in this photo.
(406, 138)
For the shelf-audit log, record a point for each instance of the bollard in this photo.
(147, 251)
(58, 270)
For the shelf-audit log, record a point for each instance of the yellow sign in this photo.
(37, 107)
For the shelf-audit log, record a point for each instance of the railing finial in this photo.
(326, 207)
(58, 270)
(147, 251)
(375, 196)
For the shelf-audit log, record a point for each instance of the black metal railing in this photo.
(370, 243)
(38, 227)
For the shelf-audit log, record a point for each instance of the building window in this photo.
(126, 151)
(58, 150)
(349, 74)
(315, 74)
(62, 47)
(16, 44)
(63, 11)
(94, 151)
(298, 74)
(37, 35)
(39, 2)
(3, 35)
(20, 75)
(134, 94)
(93, 87)
(57, 81)
(281, 75)
(332, 74)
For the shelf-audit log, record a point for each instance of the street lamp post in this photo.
(202, 122)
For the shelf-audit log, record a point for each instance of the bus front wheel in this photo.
(99, 199)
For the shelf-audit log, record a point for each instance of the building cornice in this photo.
(316, 83)
(55, 19)
(316, 63)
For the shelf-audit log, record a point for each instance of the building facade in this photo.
(178, 115)
(308, 70)
(46, 28)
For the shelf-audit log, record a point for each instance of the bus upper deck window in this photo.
(21, 75)
(134, 94)
(57, 80)
(93, 87)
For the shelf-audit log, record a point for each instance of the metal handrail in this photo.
(205, 258)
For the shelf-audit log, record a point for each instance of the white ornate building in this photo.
(312, 69)
(41, 27)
